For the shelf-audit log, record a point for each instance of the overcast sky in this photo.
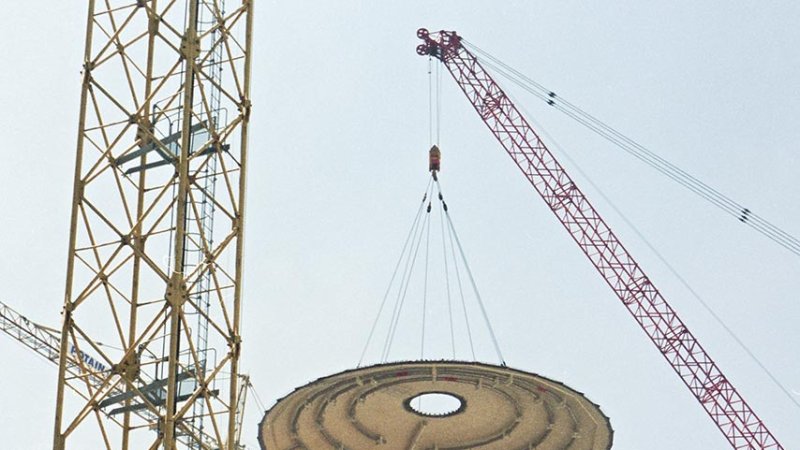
(338, 165)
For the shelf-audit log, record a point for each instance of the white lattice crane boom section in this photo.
(36, 337)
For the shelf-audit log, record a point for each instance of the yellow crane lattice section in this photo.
(161, 154)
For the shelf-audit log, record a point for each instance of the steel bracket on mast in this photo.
(167, 157)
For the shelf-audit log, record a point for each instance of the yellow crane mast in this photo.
(160, 164)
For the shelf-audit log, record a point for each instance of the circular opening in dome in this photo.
(435, 404)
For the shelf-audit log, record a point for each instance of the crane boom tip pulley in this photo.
(440, 45)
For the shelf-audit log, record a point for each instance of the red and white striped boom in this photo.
(726, 407)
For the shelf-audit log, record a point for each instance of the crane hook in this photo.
(434, 160)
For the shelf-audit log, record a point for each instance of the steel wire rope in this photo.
(743, 214)
(394, 274)
(407, 257)
(403, 290)
(425, 283)
(257, 397)
(438, 105)
(733, 208)
(447, 281)
(586, 119)
(681, 178)
(471, 278)
(430, 100)
(670, 267)
(460, 287)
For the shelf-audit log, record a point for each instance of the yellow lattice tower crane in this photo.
(155, 250)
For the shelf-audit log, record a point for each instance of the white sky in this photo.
(338, 163)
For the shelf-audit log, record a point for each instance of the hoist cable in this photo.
(404, 287)
(438, 105)
(400, 298)
(394, 274)
(425, 282)
(742, 214)
(471, 279)
(421, 230)
(725, 203)
(401, 295)
(430, 100)
(461, 290)
(672, 270)
(447, 281)
(733, 208)
(257, 397)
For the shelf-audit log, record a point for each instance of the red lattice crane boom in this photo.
(723, 403)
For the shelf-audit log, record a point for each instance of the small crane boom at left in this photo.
(82, 367)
